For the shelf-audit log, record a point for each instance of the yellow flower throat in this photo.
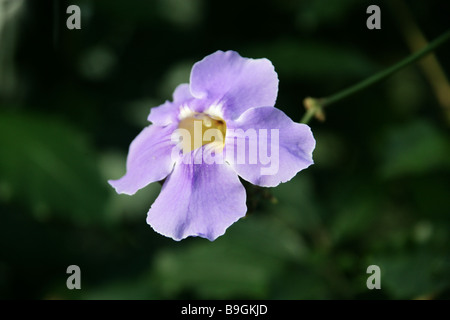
(201, 129)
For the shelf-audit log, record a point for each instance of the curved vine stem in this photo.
(314, 106)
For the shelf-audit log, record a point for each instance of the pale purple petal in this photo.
(182, 92)
(288, 146)
(168, 112)
(149, 159)
(198, 200)
(236, 82)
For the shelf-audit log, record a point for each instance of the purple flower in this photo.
(226, 111)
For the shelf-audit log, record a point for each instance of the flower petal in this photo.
(198, 200)
(168, 112)
(239, 83)
(271, 158)
(149, 159)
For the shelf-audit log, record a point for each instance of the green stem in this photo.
(317, 104)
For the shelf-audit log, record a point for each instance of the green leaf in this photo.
(316, 13)
(242, 263)
(48, 166)
(412, 275)
(357, 212)
(136, 288)
(315, 61)
(296, 204)
(414, 148)
(301, 283)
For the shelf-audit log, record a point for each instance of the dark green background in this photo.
(71, 101)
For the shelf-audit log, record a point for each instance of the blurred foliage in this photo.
(42, 152)
(72, 100)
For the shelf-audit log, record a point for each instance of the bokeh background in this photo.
(71, 101)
